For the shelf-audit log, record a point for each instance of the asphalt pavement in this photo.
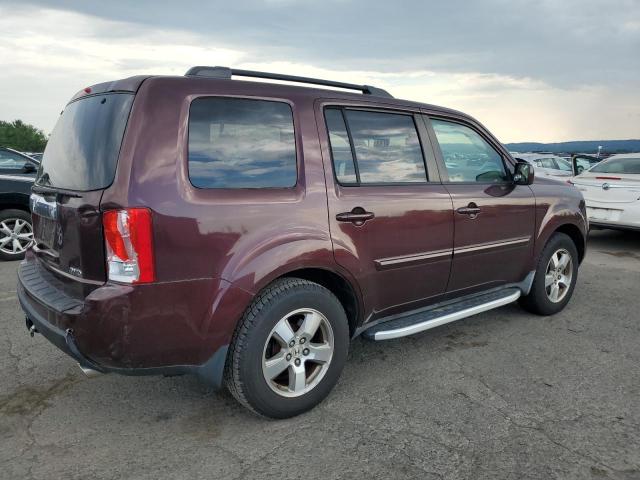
(505, 394)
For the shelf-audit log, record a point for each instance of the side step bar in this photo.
(426, 319)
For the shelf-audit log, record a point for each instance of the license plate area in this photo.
(45, 233)
(45, 220)
(608, 214)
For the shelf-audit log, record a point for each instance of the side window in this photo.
(241, 143)
(11, 161)
(386, 146)
(546, 163)
(467, 156)
(340, 146)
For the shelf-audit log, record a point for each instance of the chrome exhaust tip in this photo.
(89, 372)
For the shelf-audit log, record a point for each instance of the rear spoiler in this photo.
(130, 84)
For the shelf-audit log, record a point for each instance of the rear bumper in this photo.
(146, 330)
(622, 216)
(614, 226)
(211, 371)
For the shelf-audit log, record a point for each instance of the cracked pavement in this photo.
(501, 395)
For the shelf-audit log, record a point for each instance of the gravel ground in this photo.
(504, 394)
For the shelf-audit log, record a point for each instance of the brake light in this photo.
(129, 245)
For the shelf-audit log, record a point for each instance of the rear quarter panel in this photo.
(246, 237)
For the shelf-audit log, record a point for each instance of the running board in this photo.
(424, 320)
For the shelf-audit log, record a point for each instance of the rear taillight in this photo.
(129, 245)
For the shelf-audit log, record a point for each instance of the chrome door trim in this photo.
(414, 258)
(491, 245)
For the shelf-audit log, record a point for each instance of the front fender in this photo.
(557, 206)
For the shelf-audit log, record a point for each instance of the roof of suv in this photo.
(368, 93)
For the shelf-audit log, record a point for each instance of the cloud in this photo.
(529, 71)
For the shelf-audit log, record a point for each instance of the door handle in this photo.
(472, 210)
(357, 216)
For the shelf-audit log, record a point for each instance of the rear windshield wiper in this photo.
(57, 191)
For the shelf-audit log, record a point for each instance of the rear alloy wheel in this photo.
(298, 352)
(288, 350)
(555, 277)
(16, 234)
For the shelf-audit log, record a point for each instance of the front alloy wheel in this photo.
(557, 279)
(555, 276)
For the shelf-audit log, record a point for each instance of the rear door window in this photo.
(467, 156)
(375, 147)
(82, 152)
(241, 143)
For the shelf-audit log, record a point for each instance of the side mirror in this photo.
(29, 168)
(524, 174)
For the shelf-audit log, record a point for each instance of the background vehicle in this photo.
(251, 229)
(581, 163)
(17, 173)
(35, 156)
(548, 165)
(611, 190)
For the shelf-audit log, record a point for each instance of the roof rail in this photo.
(226, 72)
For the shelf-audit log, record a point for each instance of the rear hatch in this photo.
(79, 163)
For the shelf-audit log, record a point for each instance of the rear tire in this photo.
(555, 278)
(276, 369)
(16, 234)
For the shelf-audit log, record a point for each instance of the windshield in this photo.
(629, 165)
(83, 149)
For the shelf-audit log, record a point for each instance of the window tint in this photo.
(340, 147)
(467, 156)
(82, 152)
(386, 145)
(241, 143)
(11, 161)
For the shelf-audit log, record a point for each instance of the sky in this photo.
(543, 70)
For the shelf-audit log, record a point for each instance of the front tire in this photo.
(289, 349)
(555, 277)
(16, 234)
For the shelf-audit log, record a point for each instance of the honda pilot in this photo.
(245, 231)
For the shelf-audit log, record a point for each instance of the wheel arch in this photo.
(576, 235)
(336, 284)
(15, 201)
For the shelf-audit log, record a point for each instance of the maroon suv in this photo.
(246, 231)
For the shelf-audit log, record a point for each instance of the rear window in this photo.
(618, 165)
(82, 152)
(241, 143)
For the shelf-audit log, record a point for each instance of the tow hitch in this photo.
(30, 326)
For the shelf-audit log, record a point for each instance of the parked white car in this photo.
(548, 165)
(611, 190)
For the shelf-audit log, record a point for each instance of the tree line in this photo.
(22, 136)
